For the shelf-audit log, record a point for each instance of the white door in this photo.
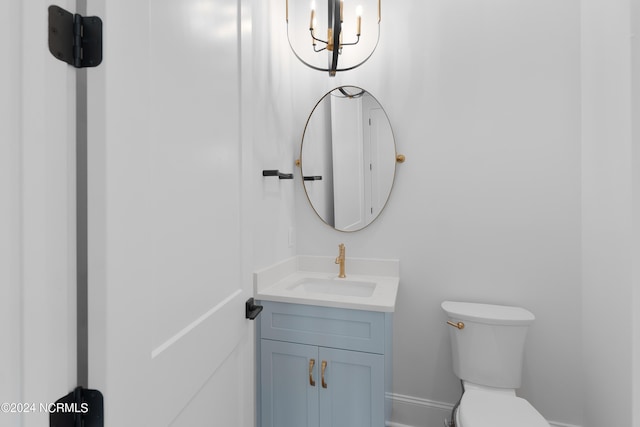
(383, 160)
(168, 341)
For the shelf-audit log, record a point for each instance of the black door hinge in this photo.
(75, 39)
(252, 309)
(80, 408)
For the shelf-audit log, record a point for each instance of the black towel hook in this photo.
(276, 172)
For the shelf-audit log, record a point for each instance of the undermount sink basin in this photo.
(335, 286)
(370, 285)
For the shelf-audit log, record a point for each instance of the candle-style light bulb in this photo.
(359, 20)
(341, 7)
(312, 21)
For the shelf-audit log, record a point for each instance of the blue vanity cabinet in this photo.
(287, 397)
(354, 395)
(323, 367)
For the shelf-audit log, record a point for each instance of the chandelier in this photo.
(348, 34)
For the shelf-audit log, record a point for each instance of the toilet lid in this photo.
(487, 409)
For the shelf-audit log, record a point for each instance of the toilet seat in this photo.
(486, 409)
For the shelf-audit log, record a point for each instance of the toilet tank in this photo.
(489, 349)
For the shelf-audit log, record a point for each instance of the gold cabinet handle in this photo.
(324, 366)
(312, 363)
(458, 325)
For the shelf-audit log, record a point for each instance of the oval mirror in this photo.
(348, 158)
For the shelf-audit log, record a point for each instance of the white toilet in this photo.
(488, 344)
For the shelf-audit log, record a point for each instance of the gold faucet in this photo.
(340, 260)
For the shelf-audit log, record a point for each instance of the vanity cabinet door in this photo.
(354, 393)
(289, 397)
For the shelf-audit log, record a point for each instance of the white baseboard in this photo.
(410, 411)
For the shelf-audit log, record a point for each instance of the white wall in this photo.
(635, 73)
(635, 132)
(607, 198)
(487, 206)
(317, 159)
(276, 140)
(517, 190)
(484, 100)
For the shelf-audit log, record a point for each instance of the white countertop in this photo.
(275, 283)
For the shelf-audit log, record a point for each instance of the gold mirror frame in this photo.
(348, 185)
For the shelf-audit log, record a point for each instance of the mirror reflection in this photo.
(348, 158)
